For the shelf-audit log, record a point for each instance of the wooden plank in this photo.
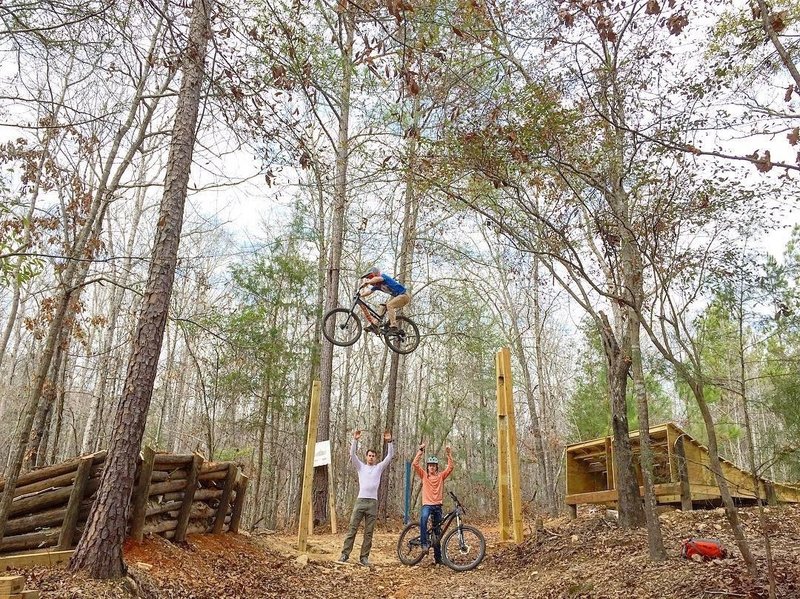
(308, 468)
(53, 471)
(140, 495)
(30, 594)
(160, 476)
(513, 455)
(166, 460)
(238, 504)
(225, 500)
(169, 486)
(40, 558)
(29, 541)
(46, 499)
(188, 498)
(68, 528)
(11, 584)
(503, 487)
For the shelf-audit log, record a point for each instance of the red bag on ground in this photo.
(705, 548)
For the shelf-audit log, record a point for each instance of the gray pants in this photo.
(368, 510)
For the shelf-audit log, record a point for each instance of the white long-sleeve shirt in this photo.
(369, 477)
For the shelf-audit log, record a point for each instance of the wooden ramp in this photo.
(681, 469)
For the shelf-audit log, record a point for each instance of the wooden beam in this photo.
(515, 483)
(308, 469)
(188, 498)
(141, 494)
(40, 558)
(238, 505)
(331, 498)
(503, 488)
(225, 500)
(68, 528)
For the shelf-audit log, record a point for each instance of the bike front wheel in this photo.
(463, 548)
(341, 327)
(405, 339)
(409, 546)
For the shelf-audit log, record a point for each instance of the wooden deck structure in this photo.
(681, 470)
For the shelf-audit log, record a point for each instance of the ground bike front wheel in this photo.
(405, 339)
(409, 546)
(463, 548)
(341, 327)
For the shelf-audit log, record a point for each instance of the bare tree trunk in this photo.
(100, 548)
(347, 19)
(631, 512)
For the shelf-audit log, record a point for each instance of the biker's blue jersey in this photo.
(390, 286)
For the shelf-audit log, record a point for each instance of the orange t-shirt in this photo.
(432, 484)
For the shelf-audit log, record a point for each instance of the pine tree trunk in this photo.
(100, 548)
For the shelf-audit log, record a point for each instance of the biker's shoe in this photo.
(343, 558)
(425, 546)
(393, 330)
(365, 562)
(370, 328)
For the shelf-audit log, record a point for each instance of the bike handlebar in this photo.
(458, 503)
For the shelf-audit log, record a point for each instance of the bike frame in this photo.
(447, 520)
(357, 301)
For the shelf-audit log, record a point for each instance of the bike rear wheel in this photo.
(341, 327)
(409, 547)
(463, 549)
(406, 339)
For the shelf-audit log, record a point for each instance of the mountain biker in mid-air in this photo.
(432, 495)
(377, 281)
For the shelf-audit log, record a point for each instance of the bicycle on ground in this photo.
(343, 327)
(463, 547)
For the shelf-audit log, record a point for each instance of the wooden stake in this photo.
(503, 491)
(308, 470)
(188, 498)
(238, 505)
(225, 500)
(331, 498)
(141, 494)
(73, 507)
(683, 474)
(513, 455)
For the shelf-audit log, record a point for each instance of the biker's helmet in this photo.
(372, 272)
(432, 460)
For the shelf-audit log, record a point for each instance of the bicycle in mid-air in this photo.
(463, 547)
(343, 327)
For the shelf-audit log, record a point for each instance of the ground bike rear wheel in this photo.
(340, 327)
(409, 547)
(463, 554)
(406, 339)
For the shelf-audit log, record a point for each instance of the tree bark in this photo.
(100, 548)
(348, 22)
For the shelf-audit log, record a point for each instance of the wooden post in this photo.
(683, 473)
(513, 455)
(238, 505)
(769, 489)
(308, 470)
(188, 498)
(225, 500)
(572, 510)
(141, 494)
(73, 507)
(503, 491)
(331, 498)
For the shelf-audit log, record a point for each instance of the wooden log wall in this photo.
(175, 495)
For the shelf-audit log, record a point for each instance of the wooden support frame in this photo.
(308, 470)
(683, 475)
(188, 498)
(225, 500)
(69, 527)
(138, 512)
(331, 498)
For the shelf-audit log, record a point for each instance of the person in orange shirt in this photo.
(432, 495)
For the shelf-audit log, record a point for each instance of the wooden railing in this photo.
(175, 495)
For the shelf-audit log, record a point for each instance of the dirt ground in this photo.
(586, 558)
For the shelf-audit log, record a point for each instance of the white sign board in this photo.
(322, 453)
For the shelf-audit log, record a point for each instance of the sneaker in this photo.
(370, 328)
(343, 558)
(425, 546)
(393, 329)
(365, 562)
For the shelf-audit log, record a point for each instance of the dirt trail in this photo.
(590, 558)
